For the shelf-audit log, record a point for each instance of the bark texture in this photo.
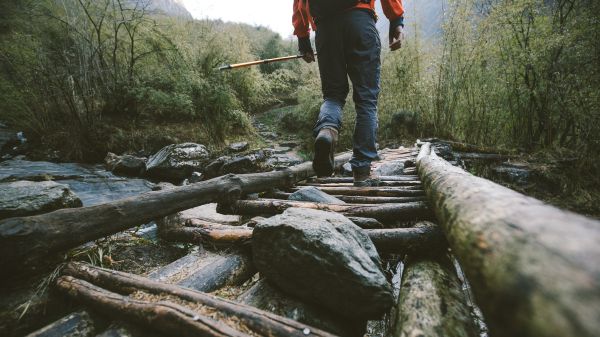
(533, 267)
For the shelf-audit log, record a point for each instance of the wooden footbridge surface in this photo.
(465, 251)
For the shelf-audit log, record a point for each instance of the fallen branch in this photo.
(533, 267)
(381, 212)
(25, 240)
(262, 322)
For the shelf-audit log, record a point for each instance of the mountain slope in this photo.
(171, 8)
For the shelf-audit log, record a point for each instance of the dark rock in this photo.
(311, 193)
(177, 161)
(238, 147)
(126, 165)
(409, 163)
(252, 162)
(73, 325)
(163, 186)
(516, 173)
(196, 177)
(443, 150)
(281, 160)
(269, 135)
(391, 168)
(322, 258)
(24, 198)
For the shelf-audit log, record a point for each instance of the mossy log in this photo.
(381, 212)
(26, 240)
(260, 322)
(431, 301)
(533, 268)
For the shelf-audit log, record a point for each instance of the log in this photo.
(381, 212)
(229, 270)
(353, 199)
(168, 317)
(431, 301)
(329, 180)
(206, 232)
(464, 147)
(74, 324)
(412, 240)
(262, 322)
(483, 156)
(413, 183)
(423, 238)
(366, 223)
(264, 296)
(373, 191)
(25, 240)
(533, 268)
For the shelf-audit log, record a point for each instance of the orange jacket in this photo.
(302, 20)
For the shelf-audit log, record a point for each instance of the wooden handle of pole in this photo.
(252, 63)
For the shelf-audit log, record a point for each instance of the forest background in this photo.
(82, 78)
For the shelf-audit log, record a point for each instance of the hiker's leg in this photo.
(363, 49)
(332, 68)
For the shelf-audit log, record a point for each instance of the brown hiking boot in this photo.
(323, 162)
(363, 178)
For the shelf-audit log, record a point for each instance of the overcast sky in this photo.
(275, 14)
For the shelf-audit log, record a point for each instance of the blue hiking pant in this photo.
(348, 45)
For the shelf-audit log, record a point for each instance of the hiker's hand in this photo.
(396, 38)
(309, 57)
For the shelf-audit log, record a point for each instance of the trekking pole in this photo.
(252, 63)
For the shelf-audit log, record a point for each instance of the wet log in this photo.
(409, 191)
(381, 212)
(431, 301)
(264, 296)
(25, 240)
(259, 321)
(168, 317)
(74, 324)
(329, 180)
(423, 238)
(533, 268)
(366, 223)
(229, 270)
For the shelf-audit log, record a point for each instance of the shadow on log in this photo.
(381, 212)
(24, 241)
(261, 322)
(533, 268)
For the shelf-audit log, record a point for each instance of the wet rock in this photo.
(444, 150)
(177, 161)
(391, 168)
(269, 135)
(238, 147)
(313, 194)
(24, 198)
(516, 173)
(252, 162)
(8, 140)
(409, 163)
(126, 165)
(196, 177)
(284, 160)
(322, 258)
(163, 186)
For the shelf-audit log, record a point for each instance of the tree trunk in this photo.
(353, 199)
(74, 324)
(533, 267)
(329, 180)
(400, 183)
(381, 212)
(23, 241)
(200, 231)
(431, 301)
(261, 322)
(423, 238)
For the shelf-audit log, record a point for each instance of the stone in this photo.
(313, 194)
(391, 168)
(176, 162)
(24, 198)
(126, 165)
(322, 258)
(516, 173)
(238, 147)
(252, 162)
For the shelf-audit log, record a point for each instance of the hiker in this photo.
(348, 45)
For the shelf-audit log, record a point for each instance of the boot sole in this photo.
(322, 163)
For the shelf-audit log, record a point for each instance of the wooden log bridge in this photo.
(533, 269)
